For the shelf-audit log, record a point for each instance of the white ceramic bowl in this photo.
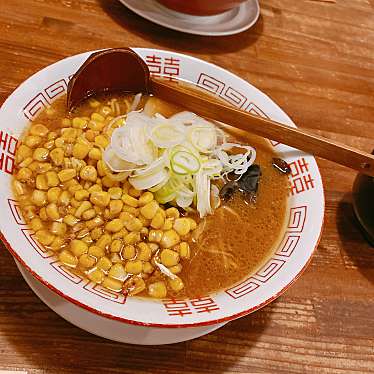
(300, 238)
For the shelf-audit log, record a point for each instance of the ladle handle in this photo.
(294, 137)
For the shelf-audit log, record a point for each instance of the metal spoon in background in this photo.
(123, 70)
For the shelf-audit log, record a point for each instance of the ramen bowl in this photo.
(299, 237)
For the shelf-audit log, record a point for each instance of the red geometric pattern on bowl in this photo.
(44, 98)
(40, 249)
(183, 307)
(297, 217)
(104, 293)
(231, 95)
(65, 271)
(8, 147)
(16, 213)
(300, 178)
(288, 244)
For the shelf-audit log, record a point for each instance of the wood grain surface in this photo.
(316, 60)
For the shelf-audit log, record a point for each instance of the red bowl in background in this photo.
(201, 7)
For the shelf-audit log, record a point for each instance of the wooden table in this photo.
(316, 60)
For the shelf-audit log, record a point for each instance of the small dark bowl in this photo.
(363, 204)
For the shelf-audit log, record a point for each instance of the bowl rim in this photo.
(227, 318)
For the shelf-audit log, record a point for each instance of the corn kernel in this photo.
(57, 156)
(26, 162)
(52, 179)
(88, 173)
(134, 285)
(157, 290)
(66, 175)
(129, 200)
(95, 154)
(100, 198)
(57, 244)
(102, 169)
(158, 220)
(89, 214)
(81, 195)
(105, 110)
(120, 234)
(133, 224)
(148, 268)
(44, 237)
(134, 267)
(168, 224)
(115, 207)
(134, 192)
(52, 211)
(59, 228)
(131, 210)
(39, 130)
(101, 141)
(79, 123)
(94, 188)
(172, 213)
(96, 251)
(112, 284)
(144, 253)
(82, 207)
(176, 269)
(104, 263)
(182, 226)
(41, 182)
(155, 236)
(115, 193)
(49, 144)
(184, 250)
(176, 284)
(24, 174)
(108, 182)
(69, 134)
(94, 222)
(39, 198)
(96, 276)
(193, 223)
(114, 226)
(129, 252)
(43, 214)
(117, 271)
(32, 141)
(78, 248)
(80, 151)
(36, 224)
(116, 246)
(70, 220)
(23, 152)
(94, 103)
(87, 261)
(68, 259)
(145, 198)
(169, 257)
(149, 210)
(40, 154)
(96, 126)
(104, 241)
(132, 238)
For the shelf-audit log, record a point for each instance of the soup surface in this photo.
(120, 237)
